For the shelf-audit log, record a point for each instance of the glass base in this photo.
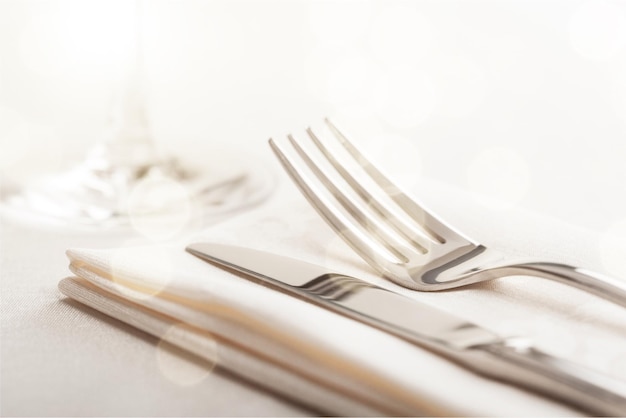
(153, 197)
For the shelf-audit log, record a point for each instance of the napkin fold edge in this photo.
(227, 356)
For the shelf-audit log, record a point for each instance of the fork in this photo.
(397, 236)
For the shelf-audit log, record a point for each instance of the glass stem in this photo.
(128, 139)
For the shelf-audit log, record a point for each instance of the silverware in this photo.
(398, 237)
(511, 360)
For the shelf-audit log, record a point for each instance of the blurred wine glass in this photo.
(126, 179)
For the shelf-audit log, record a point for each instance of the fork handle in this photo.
(606, 287)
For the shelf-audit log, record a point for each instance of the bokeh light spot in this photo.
(618, 93)
(159, 207)
(597, 30)
(461, 83)
(500, 177)
(181, 367)
(339, 23)
(15, 138)
(80, 40)
(400, 36)
(404, 99)
(349, 84)
(148, 268)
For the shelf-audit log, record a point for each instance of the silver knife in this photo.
(511, 360)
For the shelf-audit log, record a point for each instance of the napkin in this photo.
(336, 365)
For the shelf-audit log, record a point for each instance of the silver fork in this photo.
(398, 237)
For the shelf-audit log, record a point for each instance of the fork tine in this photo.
(370, 223)
(411, 232)
(360, 242)
(434, 226)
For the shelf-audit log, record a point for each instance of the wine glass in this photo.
(126, 178)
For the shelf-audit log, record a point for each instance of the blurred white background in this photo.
(522, 100)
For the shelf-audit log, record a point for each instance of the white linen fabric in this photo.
(337, 365)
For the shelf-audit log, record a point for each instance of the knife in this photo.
(512, 360)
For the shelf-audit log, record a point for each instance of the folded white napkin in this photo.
(337, 365)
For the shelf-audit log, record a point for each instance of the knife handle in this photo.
(511, 360)
(517, 362)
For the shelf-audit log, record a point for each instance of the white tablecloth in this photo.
(59, 358)
(536, 90)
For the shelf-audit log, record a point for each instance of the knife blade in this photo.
(511, 360)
